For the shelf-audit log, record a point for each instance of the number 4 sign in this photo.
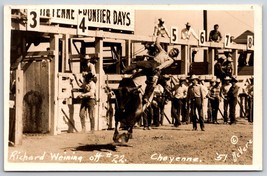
(82, 25)
(33, 20)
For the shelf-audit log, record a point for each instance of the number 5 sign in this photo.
(250, 42)
(202, 37)
(33, 20)
(174, 35)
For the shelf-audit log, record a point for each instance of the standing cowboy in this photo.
(214, 96)
(232, 97)
(195, 98)
(88, 97)
(225, 89)
(179, 100)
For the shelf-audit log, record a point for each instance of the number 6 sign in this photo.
(33, 20)
(202, 37)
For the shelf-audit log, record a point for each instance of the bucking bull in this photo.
(129, 107)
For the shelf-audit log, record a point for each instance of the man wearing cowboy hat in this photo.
(179, 101)
(187, 32)
(228, 65)
(218, 68)
(250, 97)
(232, 97)
(225, 88)
(160, 29)
(195, 99)
(205, 93)
(214, 97)
(88, 98)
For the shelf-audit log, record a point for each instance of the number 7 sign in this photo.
(227, 41)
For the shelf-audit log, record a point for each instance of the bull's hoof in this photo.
(122, 138)
(130, 135)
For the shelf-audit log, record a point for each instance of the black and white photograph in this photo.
(133, 87)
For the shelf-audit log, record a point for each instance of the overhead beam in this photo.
(118, 36)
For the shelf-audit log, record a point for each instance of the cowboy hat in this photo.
(201, 77)
(182, 78)
(161, 19)
(86, 57)
(227, 78)
(188, 24)
(194, 77)
(234, 79)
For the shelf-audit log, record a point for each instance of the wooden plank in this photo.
(184, 59)
(19, 108)
(53, 113)
(128, 51)
(44, 83)
(101, 80)
(211, 56)
(235, 62)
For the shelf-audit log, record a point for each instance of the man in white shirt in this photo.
(179, 101)
(187, 32)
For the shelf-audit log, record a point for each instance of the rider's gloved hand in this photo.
(156, 71)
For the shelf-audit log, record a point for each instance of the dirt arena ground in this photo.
(219, 144)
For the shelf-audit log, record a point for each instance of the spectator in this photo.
(225, 88)
(160, 29)
(205, 98)
(219, 72)
(88, 97)
(249, 92)
(187, 31)
(215, 35)
(228, 66)
(156, 105)
(195, 99)
(214, 96)
(232, 97)
(179, 101)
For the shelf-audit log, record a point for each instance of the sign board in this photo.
(119, 19)
(202, 38)
(174, 35)
(33, 20)
(250, 42)
(82, 25)
(227, 41)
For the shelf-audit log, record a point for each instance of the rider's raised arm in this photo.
(158, 45)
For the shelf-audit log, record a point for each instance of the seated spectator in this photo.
(187, 31)
(160, 29)
(215, 35)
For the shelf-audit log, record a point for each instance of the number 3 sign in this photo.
(33, 20)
